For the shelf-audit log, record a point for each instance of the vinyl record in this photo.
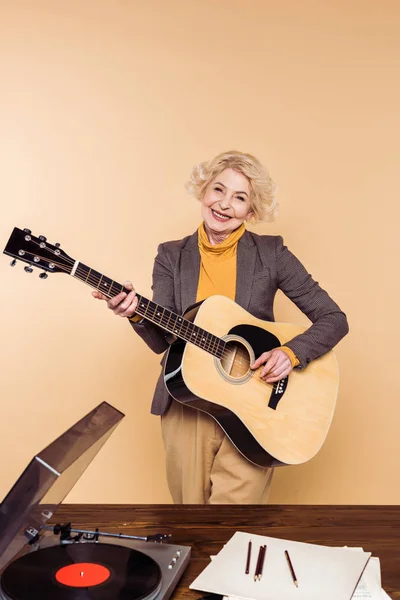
(107, 571)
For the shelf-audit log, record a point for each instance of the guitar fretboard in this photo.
(164, 318)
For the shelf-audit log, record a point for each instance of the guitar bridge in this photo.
(277, 392)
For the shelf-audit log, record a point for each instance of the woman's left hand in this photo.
(276, 363)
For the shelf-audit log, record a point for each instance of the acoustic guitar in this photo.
(208, 366)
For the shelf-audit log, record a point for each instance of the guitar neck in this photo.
(164, 318)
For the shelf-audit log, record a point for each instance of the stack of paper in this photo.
(322, 572)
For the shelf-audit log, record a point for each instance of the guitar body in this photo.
(270, 424)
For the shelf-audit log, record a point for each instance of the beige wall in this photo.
(105, 106)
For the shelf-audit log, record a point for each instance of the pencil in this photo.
(248, 558)
(258, 563)
(264, 550)
(293, 574)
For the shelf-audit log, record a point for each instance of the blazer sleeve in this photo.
(156, 338)
(329, 323)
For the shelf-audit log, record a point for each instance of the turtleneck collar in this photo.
(223, 247)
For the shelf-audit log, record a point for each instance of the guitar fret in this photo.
(95, 277)
(169, 318)
(177, 318)
(142, 304)
(87, 275)
(119, 290)
(212, 344)
(176, 324)
(105, 285)
(215, 344)
(203, 338)
(209, 341)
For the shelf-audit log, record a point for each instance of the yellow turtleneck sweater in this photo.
(218, 265)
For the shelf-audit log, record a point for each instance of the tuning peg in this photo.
(42, 238)
(28, 269)
(57, 245)
(13, 263)
(27, 231)
(43, 275)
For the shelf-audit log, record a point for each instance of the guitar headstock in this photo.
(37, 252)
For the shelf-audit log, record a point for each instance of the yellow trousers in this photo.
(203, 466)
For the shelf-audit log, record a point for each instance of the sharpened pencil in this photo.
(293, 574)
(258, 564)
(264, 550)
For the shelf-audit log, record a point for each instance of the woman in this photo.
(223, 258)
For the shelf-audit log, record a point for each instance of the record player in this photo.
(60, 562)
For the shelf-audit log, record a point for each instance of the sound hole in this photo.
(236, 360)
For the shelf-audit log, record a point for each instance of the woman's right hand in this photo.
(123, 305)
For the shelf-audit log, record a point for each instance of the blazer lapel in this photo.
(246, 262)
(190, 271)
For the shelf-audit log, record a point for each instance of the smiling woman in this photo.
(223, 258)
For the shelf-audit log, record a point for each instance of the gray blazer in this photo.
(264, 265)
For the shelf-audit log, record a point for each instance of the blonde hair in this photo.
(262, 196)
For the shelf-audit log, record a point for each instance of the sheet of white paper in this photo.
(322, 571)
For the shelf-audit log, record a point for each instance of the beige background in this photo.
(105, 107)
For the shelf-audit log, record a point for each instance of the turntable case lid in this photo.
(49, 478)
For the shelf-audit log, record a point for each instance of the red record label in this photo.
(82, 575)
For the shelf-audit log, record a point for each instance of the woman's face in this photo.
(226, 203)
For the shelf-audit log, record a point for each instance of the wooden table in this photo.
(207, 528)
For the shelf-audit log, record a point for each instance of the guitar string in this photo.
(213, 344)
(241, 357)
(241, 360)
(210, 344)
(168, 319)
(184, 328)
